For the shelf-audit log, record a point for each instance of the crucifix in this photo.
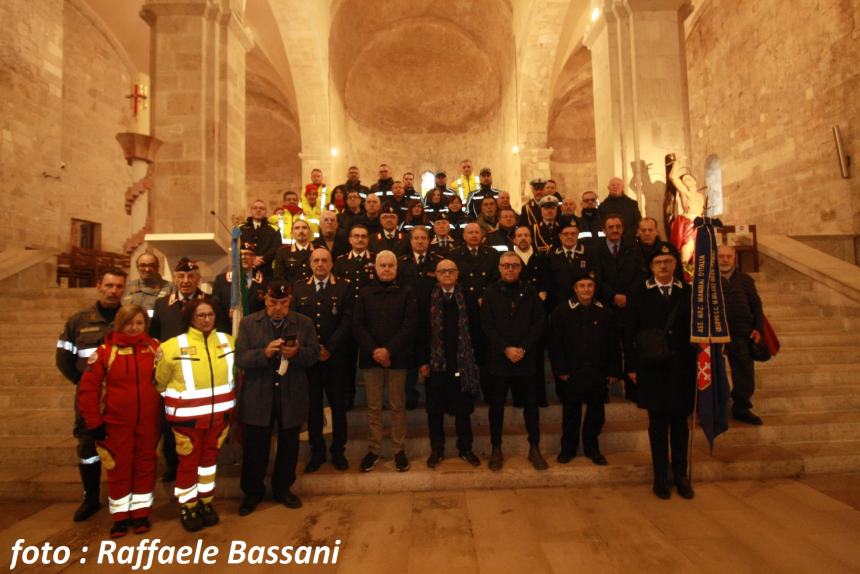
(138, 98)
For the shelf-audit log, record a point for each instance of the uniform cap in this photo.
(186, 265)
(278, 289)
(248, 246)
(388, 208)
(549, 201)
(584, 274)
(443, 215)
(537, 183)
(663, 248)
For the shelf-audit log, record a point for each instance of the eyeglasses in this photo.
(204, 315)
(510, 265)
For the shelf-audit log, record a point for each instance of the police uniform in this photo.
(458, 221)
(293, 263)
(398, 242)
(501, 239)
(564, 266)
(139, 293)
(545, 233)
(255, 284)
(530, 215)
(478, 269)
(338, 247)
(585, 348)
(357, 270)
(265, 239)
(445, 247)
(329, 306)
(76, 346)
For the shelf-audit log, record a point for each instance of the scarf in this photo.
(469, 378)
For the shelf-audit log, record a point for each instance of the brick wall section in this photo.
(31, 84)
(767, 82)
(95, 82)
(272, 163)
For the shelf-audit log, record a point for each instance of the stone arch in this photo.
(571, 127)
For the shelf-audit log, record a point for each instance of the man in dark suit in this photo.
(746, 324)
(331, 236)
(291, 260)
(512, 319)
(478, 264)
(619, 203)
(327, 301)
(389, 238)
(665, 386)
(265, 238)
(447, 350)
(274, 348)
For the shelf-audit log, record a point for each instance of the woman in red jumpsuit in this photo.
(123, 411)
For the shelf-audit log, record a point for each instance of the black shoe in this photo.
(169, 474)
(662, 490)
(564, 457)
(339, 461)
(748, 417)
(87, 509)
(289, 499)
(496, 459)
(191, 519)
(599, 459)
(684, 488)
(249, 504)
(207, 514)
(314, 463)
(411, 404)
(435, 458)
(141, 525)
(368, 462)
(536, 458)
(470, 457)
(401, 463)
(119, 528)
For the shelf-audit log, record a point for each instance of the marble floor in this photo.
(784, 525)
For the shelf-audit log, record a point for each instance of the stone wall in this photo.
(31, 83)
(766, 84)
(272, 163)
(63, 83)
(96, 79)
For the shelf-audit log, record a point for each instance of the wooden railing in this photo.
(81, 267)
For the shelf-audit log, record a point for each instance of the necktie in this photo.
(569, 256)
(474, 251)
(448, 296)
(615, 250)
(389, 236)
(666, 292)
(420, 260)
(320, 285)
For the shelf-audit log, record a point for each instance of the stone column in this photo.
(198, 52)
(641, 110)
(534, 163)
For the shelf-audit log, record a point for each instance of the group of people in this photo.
(365, 288)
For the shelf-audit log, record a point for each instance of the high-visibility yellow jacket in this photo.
(195, 376)
(312, 215)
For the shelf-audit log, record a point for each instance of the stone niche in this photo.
(422, 83)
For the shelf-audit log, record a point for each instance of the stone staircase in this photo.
(809, 397)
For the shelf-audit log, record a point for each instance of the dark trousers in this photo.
(255, 456)
(540, 376)
(523, 390)
(327, 378)
(665, 430)
(350, 370)
(412, 393)
(743, 373)
(571, 418)
(463, 425)
(168, 446)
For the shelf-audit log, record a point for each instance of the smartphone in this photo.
(289, 340)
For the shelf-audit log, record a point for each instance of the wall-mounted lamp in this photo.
(334, 152)
(515, 149)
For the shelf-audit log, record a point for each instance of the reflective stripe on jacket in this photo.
(195, 376)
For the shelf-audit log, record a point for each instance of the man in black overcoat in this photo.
(585, 352)
(665, 388)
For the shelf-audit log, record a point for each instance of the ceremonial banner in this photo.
(237, 285)
(709, 328)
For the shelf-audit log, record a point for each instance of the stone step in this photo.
(772, 375)
(42, 315)
(44, 438)
(812, 325)
(37, 334)
(794, 340)
(814, 355)
(64, 304)
(61, 482)
(777, 312)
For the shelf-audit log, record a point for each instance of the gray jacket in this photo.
(257, 388)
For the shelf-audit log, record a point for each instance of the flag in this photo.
(238, 281)
(709, 329)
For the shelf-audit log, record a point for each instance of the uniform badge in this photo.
(125, 351)
(188, 351)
